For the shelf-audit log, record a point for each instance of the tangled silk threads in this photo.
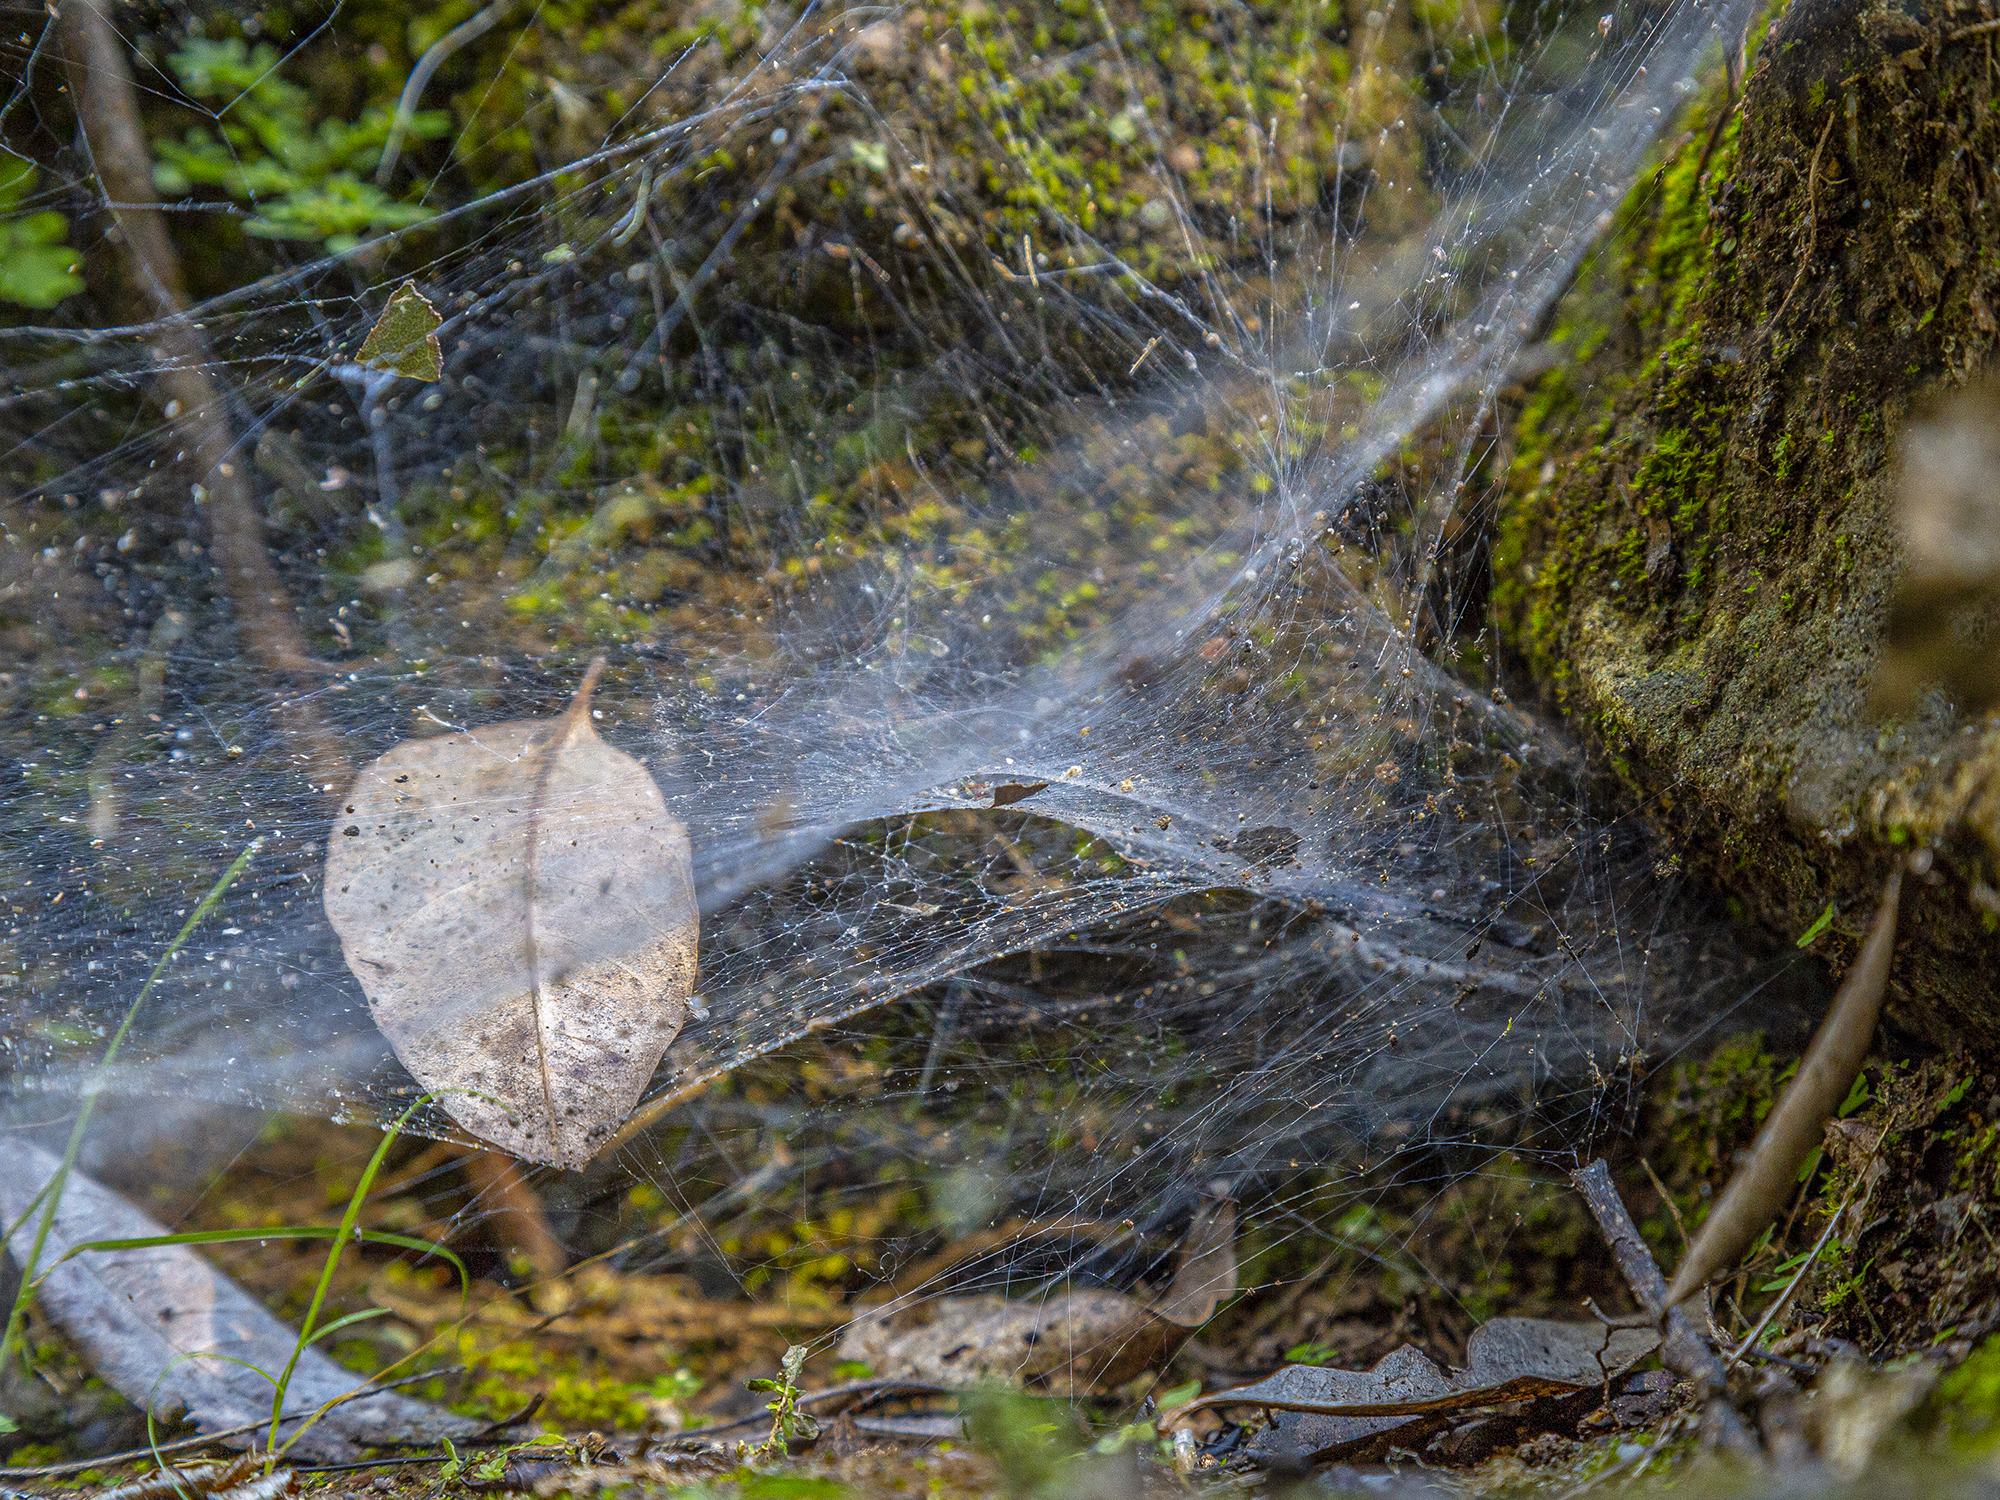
(1070, 636)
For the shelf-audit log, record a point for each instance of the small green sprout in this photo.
(788, 1423)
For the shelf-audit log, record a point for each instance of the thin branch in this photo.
(420, 76)
(1758, 1192)
(1682, 1349)
(114, 139)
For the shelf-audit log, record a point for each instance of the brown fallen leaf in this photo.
(237, 1480)
(1076, 1343)
(1508, 1359)
(518, 903)
(1009, 792)
(169, 1332)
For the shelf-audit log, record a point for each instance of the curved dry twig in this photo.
(420, 76)
(1758, 1192)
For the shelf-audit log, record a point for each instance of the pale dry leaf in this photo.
(1507, 1359)
(518, 903)
(1854, 1408)
(1075, 1343)
(1948, 509)
(1943, 622)
(1319, 1411)
(171, 1333)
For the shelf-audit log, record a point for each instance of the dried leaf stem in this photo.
(1758, 1192)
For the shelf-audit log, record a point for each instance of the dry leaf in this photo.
(1855, 1408)
(1328, 1412)
(236, 1480)
(1007, 793)
(518, 903)
(404, 339)
(240, 1479)
(1074, 1344)
(169, 1332)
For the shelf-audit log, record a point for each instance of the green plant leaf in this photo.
(286, 1232)
(37, 268)
(1856, 1097)
(404, 338)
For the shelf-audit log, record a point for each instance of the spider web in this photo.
(1186, 524)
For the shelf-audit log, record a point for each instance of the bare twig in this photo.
(1673, 1208)
(108, 114)
(461, 35)
(526, 1413)
(1812, 220)
(498, 1182)
(1757, 1193)
(1682, 1349)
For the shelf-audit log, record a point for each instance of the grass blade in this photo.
(51, 1194)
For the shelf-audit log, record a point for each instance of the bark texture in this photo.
(1698, 546)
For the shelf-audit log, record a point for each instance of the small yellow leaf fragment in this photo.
(404, 339)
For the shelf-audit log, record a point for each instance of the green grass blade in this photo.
(337, 1324)
(287, 1232)
(341, 1236)
(51, 1194)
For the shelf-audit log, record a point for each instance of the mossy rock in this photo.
(1698, 544)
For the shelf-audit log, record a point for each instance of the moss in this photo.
(1966, 1404)
(1695, 542)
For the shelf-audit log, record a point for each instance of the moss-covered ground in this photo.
(650, 1337)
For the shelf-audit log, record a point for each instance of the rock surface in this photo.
(1699, 543)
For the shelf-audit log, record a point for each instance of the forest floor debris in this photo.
(606, 1379)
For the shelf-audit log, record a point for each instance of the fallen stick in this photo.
(500, 1184)
(1682, 1348)
(1758, 1192)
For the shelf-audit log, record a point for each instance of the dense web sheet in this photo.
(1186, 528)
